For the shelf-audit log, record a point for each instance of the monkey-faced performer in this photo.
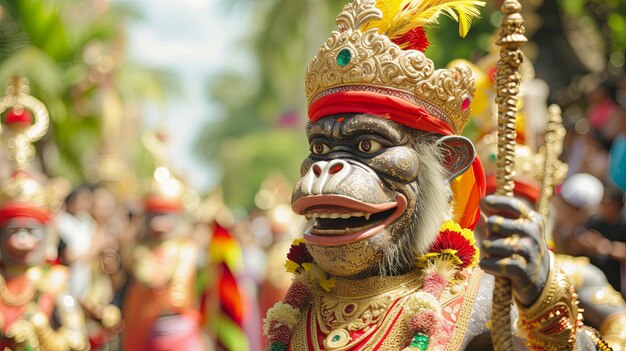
(161, 307)
(383, 264)
(36, 311)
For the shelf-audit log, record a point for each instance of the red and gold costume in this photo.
(376, 106)
(36, 312)
(381, 312)
(161, 308)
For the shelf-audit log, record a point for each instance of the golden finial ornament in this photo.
(26, 121)
(508, 77)
(20, 143)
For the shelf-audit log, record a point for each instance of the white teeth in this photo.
(335, 215)
(348, 230)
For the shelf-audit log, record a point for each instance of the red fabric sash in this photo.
(523, 189)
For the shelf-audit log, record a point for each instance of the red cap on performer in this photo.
(166, 193)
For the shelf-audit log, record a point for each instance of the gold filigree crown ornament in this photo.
(373, 64)
(26, 120)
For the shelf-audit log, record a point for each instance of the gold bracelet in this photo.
(551, 322)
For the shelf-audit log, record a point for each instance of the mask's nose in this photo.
(24, 241)
(324, 177)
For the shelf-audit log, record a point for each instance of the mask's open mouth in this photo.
(329, 222)
(341, 220)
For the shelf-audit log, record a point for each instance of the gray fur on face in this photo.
(430, 211)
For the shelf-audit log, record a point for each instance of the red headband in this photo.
(22, 209)
(385, 106)
(163, 205)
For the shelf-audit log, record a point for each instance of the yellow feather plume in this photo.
(400, 16)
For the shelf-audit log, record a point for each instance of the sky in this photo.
(192, 39)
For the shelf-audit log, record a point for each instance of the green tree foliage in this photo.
(608, 18)
(72, 52)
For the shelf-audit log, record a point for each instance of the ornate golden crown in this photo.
(166, 191)
(27, 121)
(359, 58)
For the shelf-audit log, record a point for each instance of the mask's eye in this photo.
(369, 146)
(320, 148)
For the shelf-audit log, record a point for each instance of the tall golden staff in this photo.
(508, 77)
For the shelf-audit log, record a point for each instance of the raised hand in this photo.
(515, 246)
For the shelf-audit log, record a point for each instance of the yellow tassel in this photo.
(400, 16)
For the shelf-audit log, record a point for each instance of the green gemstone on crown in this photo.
(343, 57)
(420, 341)
(336, 338)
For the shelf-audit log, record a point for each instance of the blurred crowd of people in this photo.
(237, 271)
(589, 206)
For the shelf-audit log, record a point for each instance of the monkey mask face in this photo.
(25, 242)
(374, 192)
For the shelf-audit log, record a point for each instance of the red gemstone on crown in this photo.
(466, 104)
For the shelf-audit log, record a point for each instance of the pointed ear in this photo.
(458, 154)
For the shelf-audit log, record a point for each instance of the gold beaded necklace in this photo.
(19, 299)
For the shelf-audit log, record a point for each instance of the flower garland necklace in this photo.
(453, 250)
